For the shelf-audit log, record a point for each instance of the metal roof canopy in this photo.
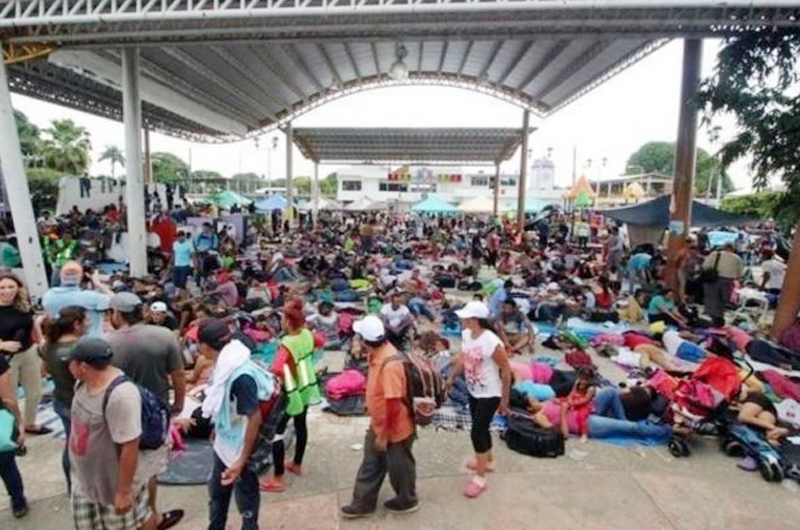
(219, 70)
(431, 146)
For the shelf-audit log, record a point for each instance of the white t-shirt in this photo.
(480, 370)
(777, 272)
(672, 341)
(395, 317)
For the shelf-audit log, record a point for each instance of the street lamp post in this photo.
(270, 148)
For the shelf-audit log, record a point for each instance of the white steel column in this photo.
(19, 195)
(134, 184)
(523, 171)
(315, 195)
(289, 190)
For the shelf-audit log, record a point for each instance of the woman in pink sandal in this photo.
(485, 365)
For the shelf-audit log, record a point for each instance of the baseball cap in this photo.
(213, 330)
(125, 302)
(474, 309)
(158, 307)
(370, 328)
(94, 351)
(71, 274)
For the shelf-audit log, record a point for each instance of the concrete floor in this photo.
(608, 488)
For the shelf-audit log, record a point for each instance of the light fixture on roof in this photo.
(399, 69)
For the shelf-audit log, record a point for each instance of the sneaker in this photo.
(272, 485)
(395, 506)
(354, 512)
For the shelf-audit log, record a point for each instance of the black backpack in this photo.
(524, 436)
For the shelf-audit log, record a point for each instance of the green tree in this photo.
(168, 168)
(327, 186)
(113, 154)
(66, 148)
(302, 186)
(43, 184)
(660, 157)
(756, 81)
(28, 138)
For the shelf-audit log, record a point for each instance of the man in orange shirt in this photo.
(387, 447)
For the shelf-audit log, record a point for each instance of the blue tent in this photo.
(434, 205)
(275, 202)
(655, 213)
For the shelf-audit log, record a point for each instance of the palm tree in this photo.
(28, 138)
(67, 147)
(113, 154)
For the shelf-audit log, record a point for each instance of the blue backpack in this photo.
(155, 415)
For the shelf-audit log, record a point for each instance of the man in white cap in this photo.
(159, 315)
(387, 447)
(70, 293)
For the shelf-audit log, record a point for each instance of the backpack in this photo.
(155, 414)
(425, 387)
(524, 436)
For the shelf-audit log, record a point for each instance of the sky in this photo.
(611, 122)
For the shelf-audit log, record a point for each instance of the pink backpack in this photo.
(348, 383)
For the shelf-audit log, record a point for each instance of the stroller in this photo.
(774, 463)
(701, 403)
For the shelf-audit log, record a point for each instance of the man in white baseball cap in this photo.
(159, 315)
(388, 443)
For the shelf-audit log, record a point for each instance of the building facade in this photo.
(411, 184)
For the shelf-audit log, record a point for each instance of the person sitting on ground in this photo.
(662, 308)
(326, 321)
(632, 311)
(515, 330)
(397, 319)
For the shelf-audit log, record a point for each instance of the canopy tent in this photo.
(275, 202)
(583, 200)
(655, 213)
(228, 199)
(366, 205)
(532, 205)
(434, 204)
(581, 185)
(324, 204)
(480, 204)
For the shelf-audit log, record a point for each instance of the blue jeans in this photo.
(418, 307)
(9, 472)
(247, 495)
(63, 411)
(602, 427)
(608, 402)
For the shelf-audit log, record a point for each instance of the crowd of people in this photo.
(514, 320)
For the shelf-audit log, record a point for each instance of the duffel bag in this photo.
(524, 436)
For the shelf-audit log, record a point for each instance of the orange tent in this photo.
(581, 185)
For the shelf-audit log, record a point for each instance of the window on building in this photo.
(393, 187)
(351, 185)
(480, 181)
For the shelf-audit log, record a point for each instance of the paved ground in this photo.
(609, 488)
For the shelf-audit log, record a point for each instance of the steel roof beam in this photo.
(245, 72)
(295, 57)
(575, 66)
(332, 67)
(490, 61)
(557, 49)
(278, 72)
(215, 78)
(443, 56)
(464, 59)
(374, 49)
(352, 60)
(523, 51)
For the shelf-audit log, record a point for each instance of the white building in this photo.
(411, 184)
